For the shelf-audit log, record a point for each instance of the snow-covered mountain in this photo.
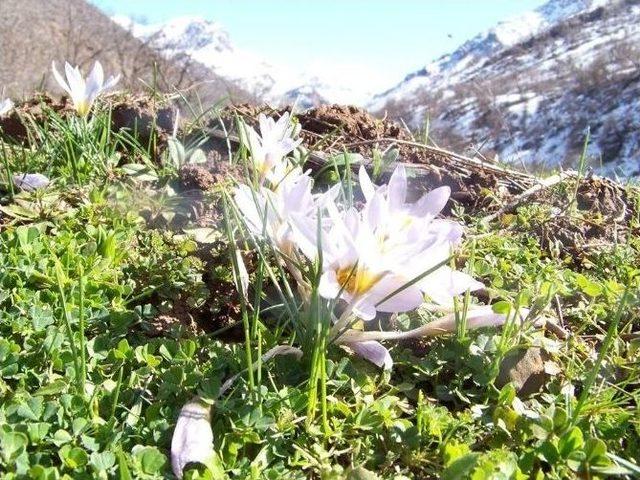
(208, 43)
(528, 89)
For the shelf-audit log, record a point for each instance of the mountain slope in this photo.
(208, 43)
(528, 89)
(35, 32)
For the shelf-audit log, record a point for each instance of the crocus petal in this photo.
(329, 286)
(112, 82)
(192, 440)
(94, 82)
(75, 80)
(375, 210)
(397, 188)
(243, 275)
(477, 317)
(5, 106)
(432, 202)
(443, 284)
(405, 300)
(367, 186)
(373, 351)
(59, 79)
(364, 310)
(30, 181)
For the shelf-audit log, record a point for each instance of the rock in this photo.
(525, 369)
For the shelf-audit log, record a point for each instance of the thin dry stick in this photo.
(319, 159)
(460, 158)
(541, 185)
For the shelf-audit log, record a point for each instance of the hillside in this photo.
(35, 32)
(208, 43)
(527, 90)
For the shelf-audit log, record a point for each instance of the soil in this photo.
(144, 116)
(602, 216)
(35, 109)
(196, 176)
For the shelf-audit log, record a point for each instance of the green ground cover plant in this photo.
(124, 296)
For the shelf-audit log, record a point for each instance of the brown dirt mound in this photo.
(142, 116)
(602, 216)
(346, 125)
(37, 110)
(196, 176)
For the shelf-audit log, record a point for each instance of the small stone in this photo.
(525, 369)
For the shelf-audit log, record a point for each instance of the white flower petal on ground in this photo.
(366, 343)
(373, 351)
(30, 181)
(192, 440)
(477, 317)
(83, 92)
(6, 106)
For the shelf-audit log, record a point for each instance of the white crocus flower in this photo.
(6, 106)
(83, 92)
(192, 440)
(369, 257)
(354, 266)
(269, 148)
(267, 212)
(397, 224)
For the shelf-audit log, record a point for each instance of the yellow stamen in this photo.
(83, 107)
(357, 281)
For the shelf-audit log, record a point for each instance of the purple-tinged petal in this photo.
(192, 440)
(397, 188)
(367, 186)
(30, 181)
(432, 202)
(373, 351)
(61, 81)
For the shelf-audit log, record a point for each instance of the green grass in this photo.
(87, 392)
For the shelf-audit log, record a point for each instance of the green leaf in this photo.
(361, 473)
(151, 460)
(454, 451)
(61, 437)
(589, 287)
(73, 457)
(139, 172)
(549, 452)
(461, 467)
(102, 461)
(12, 444)
(54, 388)
(570, 441)
(37, 431)
(123, 468)
(31, 409)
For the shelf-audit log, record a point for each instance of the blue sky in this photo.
(385, 39)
